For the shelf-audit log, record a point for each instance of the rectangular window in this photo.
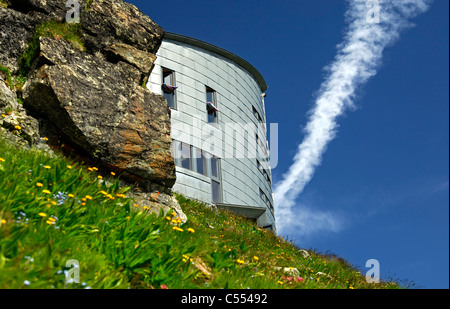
(216, 192)
(215, 180)
(168, 87)
(186, 156)
(201, 161)
(214, 167)
(211, 105)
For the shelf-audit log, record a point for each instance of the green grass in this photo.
(54, 29)
(53, 210)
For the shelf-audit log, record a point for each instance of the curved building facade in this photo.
(218, 126)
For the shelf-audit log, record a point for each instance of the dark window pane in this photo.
(216, 192)
(214, 167)
(170, 100)
(201, 167)
(186, 156)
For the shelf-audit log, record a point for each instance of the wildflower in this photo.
(18, 127)
(3, 115)
(3, 221)
(120, 195)
(176, 228)
(168, 218)
(46, 192)
(54, 202)
(83, 204)
(95, 169)
(351, 288)
(240, 261)
(2, 160)
(99, 177)
(49, 222)
(110, 196)
(112, 173)
(256, 258)
(45, 139)
(90, 169)
(279, 282)
(40, 185)
(43, 215)
(47, 167)
(71, 195)
(191, 230)
(52, 219)
(164, 287)
(69, 167)
(146, 208)
(88, 197)
(128, 218)
(26, 282)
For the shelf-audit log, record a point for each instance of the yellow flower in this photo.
(2, 160)
(3, 221)
(112, 173)
(52, 219)
(240, 261)
(46, 192)
(49, 222)
(191, 230)
(71, 195)
(110, 196)
(47, 167)
(45, 139)
(3, 115)
(176, 228)
(168, 218)
(88, 197)
(53, 203)
(120, 195)
(351, 288)
(18, 127)
(256, 258)
(90, 169)
(99, 177)
(279, 282)
(43, 215)
(39, 185)
(69, 167)
(104, 192)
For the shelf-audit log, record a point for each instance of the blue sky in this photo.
(384, 180)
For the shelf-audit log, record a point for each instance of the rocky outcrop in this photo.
(102, 108)
(93, 99)
(16, 30)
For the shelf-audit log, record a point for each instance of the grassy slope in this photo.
(53, 210)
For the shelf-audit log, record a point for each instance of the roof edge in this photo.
(222, 52)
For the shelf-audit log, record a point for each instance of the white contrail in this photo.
(373, 26)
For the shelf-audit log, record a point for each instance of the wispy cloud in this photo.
(357, 60)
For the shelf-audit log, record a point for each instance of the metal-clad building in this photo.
(218, 126)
